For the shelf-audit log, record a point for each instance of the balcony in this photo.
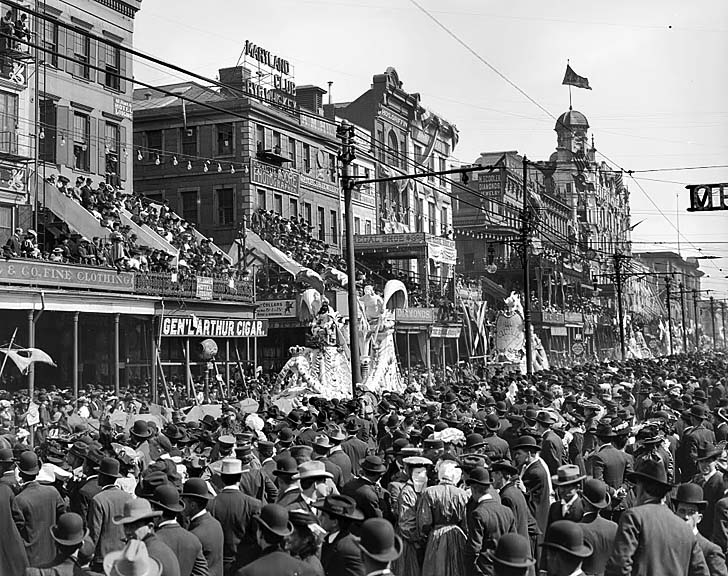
(195, 287)
(272, 155)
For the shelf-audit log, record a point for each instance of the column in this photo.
(227, 365)
(188, 378)
(116, 353)
(75, 354)
(31, 343)
(153, 355)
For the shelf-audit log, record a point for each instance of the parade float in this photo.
(510, 338)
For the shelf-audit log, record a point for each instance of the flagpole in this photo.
(10, 346)
(569, 96)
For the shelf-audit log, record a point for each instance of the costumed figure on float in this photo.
(510, 341)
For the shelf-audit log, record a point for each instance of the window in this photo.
(189, 205)
(443, 219)
(81, 52)
(380, 145)
(189, 141)
(224, 139)
(332, 167)
(112, 145)
(443, 167)
(50, 42)
(367, 227)
(49, 123)
(6, 223)
(306, 158)
(418, 153)
(307, 216)
(357, 225)
(292, 153)
(278, 204)
(393, 151)
(334, 227)
(112, 62)
(419, 215)
(293, 208)
(154, 143)
(431, 218)
(259, 137)
(431, 167)
(225, 206)
(8, 123)
(261, 199)
(81, 134)
(321, 224)
(276, 142)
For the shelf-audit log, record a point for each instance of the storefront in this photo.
(412, 331)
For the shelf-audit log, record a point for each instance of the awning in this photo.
(494, 289)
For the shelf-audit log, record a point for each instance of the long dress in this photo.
(409, 563)
(441, 524)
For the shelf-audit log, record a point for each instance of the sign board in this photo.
(385, 240)
(559, 331)
(37, 273)
(553, 318)
(12, 178)
(489, 184)
(319, 185)
(577, 348)
(415, 315)
(708, 197)
(123, 108)
(203, 287)
(275, 83)
(445, 331)
(510, 335)
(394, 118)
(213, 327)
(15, 72)
(273, 177)
(276, 309)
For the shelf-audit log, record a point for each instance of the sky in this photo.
(657, 70)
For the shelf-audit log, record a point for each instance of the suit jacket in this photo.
(512, 497)
(35, 510)
(720, 524)
(713, 490)
(496, 448)
(356, 449)
(487, 521)
(256, 483)
(552, 450)
(342, 460)
(234, 510)
(13, 559)
(600, 533)
(575, 512)
(162, 554)
(60, 566)
(651, 539)
(535, 479)
(342, 557)
(276, 562)
(714, 556)
(609, 465)
(186, 547)
(370, 498)
(694, 439)
(209, 533)
(81, 499)
(104, 534)
(293, 500)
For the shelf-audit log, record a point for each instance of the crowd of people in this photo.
(610, 468)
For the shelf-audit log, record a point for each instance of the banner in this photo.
(442, 254)
(510, 336)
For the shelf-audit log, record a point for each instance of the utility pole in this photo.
(669, 314)
(525, 244)
(345, 132)
(722, 317)
(682, 314)
(695, 313)
(712, 320)
(620, 312)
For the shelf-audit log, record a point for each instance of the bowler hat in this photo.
(567, 536)
(530, 415)
(698, 411)
(546, 418)
(300, 517)
(68, 530)
(650, 470)
(166, 497)
(527, 443)
(474, 441)
(373, 465)
(479, 475)
(708, 452)
(134, 510)
(140, 429)
(133, 560)
(285, 436)
(352, 425)
(196, 488)
(595, 492)
(514, 551)
(505, 466)
(6, 456)
(378, 540)
(340, 505)
(285, 466)
(690, 493)
(492, 422)
(28, 463)
(567, 474)
(501, 407)
(604, 430)
(109, 467)
(434, 444)
(274, 518)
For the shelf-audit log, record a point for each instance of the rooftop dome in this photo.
(572, 119)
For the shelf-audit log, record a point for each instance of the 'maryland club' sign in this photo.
(707, 197)
(282, 89)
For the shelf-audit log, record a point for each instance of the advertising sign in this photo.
(276, 309)
(203, 288)
(39, 273)
(213, 327)
(445, 331)
(415, 315)
(273, 177)
(510, 336)
(707, 197)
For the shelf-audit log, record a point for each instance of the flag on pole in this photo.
(184, 113)
(573, 79)
(24, 357)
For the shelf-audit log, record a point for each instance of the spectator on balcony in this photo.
(29, 248)
(13, 246)
(7, 30)
(22, 33)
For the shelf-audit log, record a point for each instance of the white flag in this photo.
(24, 357)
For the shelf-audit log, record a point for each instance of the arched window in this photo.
(393, 149)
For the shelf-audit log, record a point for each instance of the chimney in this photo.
(311, 98)
(234, 79)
